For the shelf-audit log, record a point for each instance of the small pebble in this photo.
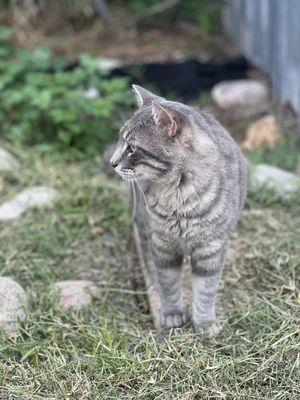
(283, 184)
(35, 197)
(7, 161)
(75, 294)
(242, 92)
(13, 306)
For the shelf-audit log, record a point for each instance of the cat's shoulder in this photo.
(209, 123)
(209, 126)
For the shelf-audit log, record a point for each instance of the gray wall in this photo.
(268, 33)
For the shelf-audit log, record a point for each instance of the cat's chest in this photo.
(172, 221)
(183, 219)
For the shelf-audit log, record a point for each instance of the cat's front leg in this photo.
(207, 266)
(168, 267)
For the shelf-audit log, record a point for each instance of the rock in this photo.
(35, 197)
(75, 294)
(13, 306)
(283, 184)
(243, 92)
(7, 161)
(91, 93)
(265, 132)
(108, 64)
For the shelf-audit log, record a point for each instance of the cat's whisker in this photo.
(134, 199)
(143, 194)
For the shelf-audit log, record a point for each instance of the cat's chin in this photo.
(131, 177)
(128, 178)
(126, 174)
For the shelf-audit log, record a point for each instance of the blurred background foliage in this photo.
(204, 12)
(44, 104)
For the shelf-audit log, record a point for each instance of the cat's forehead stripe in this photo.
(126, 135)
(124, 132)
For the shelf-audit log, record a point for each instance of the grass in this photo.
(109, 350)
(285, 156)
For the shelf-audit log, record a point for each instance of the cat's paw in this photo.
(173, 319)
(208, 329)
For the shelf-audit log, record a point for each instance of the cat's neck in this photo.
(173, 193)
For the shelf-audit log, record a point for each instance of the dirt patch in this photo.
(124, 40)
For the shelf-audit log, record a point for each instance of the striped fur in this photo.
(188, 180)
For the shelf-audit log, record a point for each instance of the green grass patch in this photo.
(110, 350)
(286, 155)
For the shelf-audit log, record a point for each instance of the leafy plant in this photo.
(204, 12)
(45, 104)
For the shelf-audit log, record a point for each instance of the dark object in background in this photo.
(187, 80)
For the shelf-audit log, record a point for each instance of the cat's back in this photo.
(234, 162)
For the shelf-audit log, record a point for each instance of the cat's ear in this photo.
(144, 97)
(164, 119)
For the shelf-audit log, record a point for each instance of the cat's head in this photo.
(154, 142)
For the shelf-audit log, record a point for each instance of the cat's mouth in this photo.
(127, 174)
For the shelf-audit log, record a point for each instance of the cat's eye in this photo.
(130, 149)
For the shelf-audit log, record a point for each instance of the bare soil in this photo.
(123, 39)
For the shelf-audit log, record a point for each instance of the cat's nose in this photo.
(113, 163)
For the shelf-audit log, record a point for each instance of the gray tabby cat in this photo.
(193, 179)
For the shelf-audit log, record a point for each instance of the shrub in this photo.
(205, 13)
(40, 105)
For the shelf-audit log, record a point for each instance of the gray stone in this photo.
(91, 93)
(108, 64)
(7, 161)
(13, 306)
(35, 197)
(283, 184)
(242, 92)
(75, 295)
